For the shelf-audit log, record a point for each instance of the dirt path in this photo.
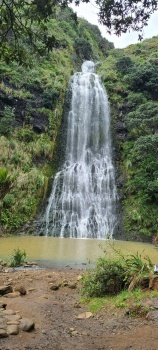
(55, 316)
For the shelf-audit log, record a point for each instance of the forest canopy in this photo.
(29, 18)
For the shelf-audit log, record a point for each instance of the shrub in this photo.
(111, 275)
(124, 64)
(9, 200)
(18, 258)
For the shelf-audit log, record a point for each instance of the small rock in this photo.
(72, 285)
(55, 287)
(12, 295)
(45, 296)
(79, 278)
(5, 289)
(77, 305)
(26, 324)
(20, 289)
(13, 329)
(153, 282)
(31, 289)
(3, 333)
(12, 317)
(84, 315)
(74, 332)
(13, 322)
(152, 315)
(8, 312)
(2, 305)
(64, 283)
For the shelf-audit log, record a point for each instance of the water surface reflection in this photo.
(51, 252)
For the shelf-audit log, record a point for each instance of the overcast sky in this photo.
(89, 12)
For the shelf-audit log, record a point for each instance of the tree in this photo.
(18, 18)
(22, 22)
(120, 16)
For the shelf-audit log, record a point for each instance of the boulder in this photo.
(26, 324)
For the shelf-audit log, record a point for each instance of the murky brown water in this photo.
(50, 251)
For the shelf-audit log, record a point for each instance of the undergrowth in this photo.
(114, 273)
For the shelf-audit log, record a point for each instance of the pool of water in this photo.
(60, 252)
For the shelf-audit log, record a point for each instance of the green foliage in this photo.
(120, 16)
(18, 258)
(9, 200)
(144, 77)
(124, 64)
(6, 121)
(106, 278)
(143, 120)
(133, 97)
(115, 273)
(3, 175)
(83, 48)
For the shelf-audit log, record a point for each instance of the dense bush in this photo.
(124, 65)
(144, 78)
(83, 48)
(115, 273)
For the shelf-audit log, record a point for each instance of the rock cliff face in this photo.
(26, 110)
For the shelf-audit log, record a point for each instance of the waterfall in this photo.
(83, 197)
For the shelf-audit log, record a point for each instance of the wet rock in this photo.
(5, 289)
(26, 324)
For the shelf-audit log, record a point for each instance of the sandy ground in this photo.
(55, 315)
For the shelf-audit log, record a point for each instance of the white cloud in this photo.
(89, 12)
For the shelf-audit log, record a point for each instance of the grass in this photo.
(123, 300)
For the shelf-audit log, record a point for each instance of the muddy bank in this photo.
(52, 302)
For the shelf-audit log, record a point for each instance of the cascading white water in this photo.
(82, 202)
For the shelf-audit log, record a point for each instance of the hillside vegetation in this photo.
(131, 78)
